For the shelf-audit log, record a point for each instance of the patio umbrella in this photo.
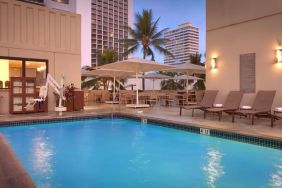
(155, 76)
(137, 66)
(188, 68)
(186, 77)
(107, 73)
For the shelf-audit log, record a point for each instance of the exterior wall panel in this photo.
(258, 35)
(32, 31)
(25, 25)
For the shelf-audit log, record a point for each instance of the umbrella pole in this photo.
(153, 84)
(119, 90)
(187, 83)
(137, 97)
(114, 91)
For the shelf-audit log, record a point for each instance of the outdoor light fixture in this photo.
(278, 55)
(214, 63)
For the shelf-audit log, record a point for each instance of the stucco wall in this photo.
(31, 31)
(84, 9)
(240, 27)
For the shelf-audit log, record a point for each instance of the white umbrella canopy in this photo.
(107, 73)
(188, 68)
(185, 77)
(155, 76)
(138, 66)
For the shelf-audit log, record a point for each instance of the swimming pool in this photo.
(126, 153)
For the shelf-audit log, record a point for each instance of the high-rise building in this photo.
(183, 42)
(109, 21)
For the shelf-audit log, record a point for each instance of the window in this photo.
(9, 68)
(36, 70)
(17, 67)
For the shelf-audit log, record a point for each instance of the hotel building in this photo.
(183, 42)
(109, 20)
(243, 52)
(36, 40)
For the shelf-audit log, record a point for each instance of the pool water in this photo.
(124, 153)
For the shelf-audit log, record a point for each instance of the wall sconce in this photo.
(214, 63)
(278, 54)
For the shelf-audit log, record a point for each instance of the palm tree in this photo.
(172, 84)
(146, 36)
(108, 56)
(196, 59)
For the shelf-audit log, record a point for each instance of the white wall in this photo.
(83, 7)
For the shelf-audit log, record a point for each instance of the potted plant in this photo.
(69, 94)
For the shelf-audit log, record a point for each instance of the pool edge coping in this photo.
(261, 140)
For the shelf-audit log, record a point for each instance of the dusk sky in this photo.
(174, 12)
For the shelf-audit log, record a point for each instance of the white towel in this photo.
(217, 105)
(278, 109)
(246, 107)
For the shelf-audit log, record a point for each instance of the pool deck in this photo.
(261, 128)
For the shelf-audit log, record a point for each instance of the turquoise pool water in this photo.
(125, 153)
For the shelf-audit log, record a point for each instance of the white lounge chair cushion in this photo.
(246, 107)
(218, 105)
(278, 109)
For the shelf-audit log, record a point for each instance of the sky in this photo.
(174, 12)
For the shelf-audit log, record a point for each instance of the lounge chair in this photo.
(207, 102)
(261, 106)
(232, 104)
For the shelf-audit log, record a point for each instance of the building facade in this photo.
(84, 9)
(36, 40)
(183, 42)
(243, 52)
(108, 25)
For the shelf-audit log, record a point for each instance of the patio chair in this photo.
(277, 115)
(198, 98)
(261, 106)
(207, 102)
(153, 99)
(231, 104)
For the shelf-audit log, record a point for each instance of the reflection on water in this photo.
(139, 160)
(213, 167)
(276, 177)
(42, 158)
